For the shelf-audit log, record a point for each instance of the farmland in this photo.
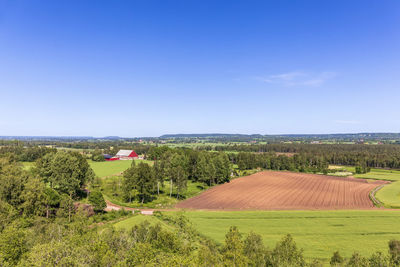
(319, 233)
(285, 190)
(389, 195)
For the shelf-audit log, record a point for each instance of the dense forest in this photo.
(377, 156)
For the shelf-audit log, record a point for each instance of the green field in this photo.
(319, 233)
(108, 168)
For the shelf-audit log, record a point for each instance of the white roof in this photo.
(124, 153)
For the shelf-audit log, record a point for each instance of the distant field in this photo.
(108, 168)
(389, 195)
(319, 233)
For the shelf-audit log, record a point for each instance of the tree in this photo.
(394, 251)
(12, 245)
(180, 179)
(144, 181)
(336, 259)
(66, 207)
(222, 167)
(65, 172)
(207, 255)
(97, 200)
(286, 253)
(254, 249)
(378, 259)
(232, 251)
(51, 200)
(357, 260)
(201, 173)
(129, 182)
(97, 156)
(12, 181)
(33, 197)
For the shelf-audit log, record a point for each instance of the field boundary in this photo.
(374, 200)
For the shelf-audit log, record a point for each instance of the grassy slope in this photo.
(319, 233)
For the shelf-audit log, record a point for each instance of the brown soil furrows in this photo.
(285, 190)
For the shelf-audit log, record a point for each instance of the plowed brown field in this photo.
(285, 190)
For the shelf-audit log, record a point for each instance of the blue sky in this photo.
(146, 68)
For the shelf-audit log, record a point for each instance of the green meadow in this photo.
(319, 233)
(115, 167)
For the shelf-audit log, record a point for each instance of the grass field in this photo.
(319, 233)
(108, 168)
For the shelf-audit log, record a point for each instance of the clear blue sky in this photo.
(146, 68)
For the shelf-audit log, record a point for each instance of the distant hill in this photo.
(166, 136)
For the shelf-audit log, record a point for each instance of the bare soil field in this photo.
(273, 190)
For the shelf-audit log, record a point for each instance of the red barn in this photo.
(126, 154)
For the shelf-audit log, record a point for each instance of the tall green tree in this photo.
(233, 249)
(33, 197)
(64, 171)
(144, 181)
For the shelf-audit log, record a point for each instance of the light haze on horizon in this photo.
(148, 68)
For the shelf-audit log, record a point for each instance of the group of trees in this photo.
(176, 166)
(373, 156)
(29, 153)
(49, 188)
(271, 161)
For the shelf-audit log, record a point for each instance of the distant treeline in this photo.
(271, 161)
(31, 151)
(26, 153)
(377, 156)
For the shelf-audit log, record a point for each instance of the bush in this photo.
(97, 200)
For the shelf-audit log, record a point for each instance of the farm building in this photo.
(126, 154)
(107, 156)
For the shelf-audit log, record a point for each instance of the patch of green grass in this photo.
(380, 174)
(319, 233)
(108, 168)
(27, 165)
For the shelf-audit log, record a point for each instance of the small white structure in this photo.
(147, 212)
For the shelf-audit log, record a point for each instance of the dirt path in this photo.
(111, 206)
